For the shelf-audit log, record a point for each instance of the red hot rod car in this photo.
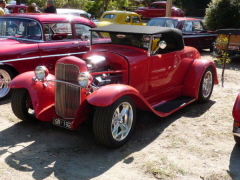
(29, 40)
(134, 67)
(158, 9)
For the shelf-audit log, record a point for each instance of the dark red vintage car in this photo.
(17, 8)
(135, 67)
(158, 9)
(29, 40)
(193, 30)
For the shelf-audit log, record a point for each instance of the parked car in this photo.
(193, 30)
(76, 12)
(17, 8)
(119, 17)
(236, 117)
(228, 40)
(28, 40)
(135, 67)
(158, 9)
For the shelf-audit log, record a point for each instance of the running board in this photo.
(173, 105)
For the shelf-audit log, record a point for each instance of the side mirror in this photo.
(162, 44)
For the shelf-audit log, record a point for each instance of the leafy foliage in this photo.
(223, 14)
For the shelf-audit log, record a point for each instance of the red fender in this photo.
(107, 95)
(42, 96)
(194, 75)
(236, 109)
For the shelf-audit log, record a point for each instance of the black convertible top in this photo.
(136, 29)
(172, 36)
(228, 31)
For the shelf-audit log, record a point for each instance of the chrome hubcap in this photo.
(122, 121)
(5, 79)
(207, 84)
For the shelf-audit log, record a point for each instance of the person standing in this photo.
(3, 6)
(50, 7)
(1, 11)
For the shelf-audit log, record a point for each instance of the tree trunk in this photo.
(168, 8)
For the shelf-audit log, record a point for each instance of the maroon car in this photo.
(158, 9)
(193, 30)
(17, 8)
(28, 40)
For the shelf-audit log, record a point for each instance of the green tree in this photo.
(223, 14)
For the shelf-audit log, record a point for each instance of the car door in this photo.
(60, 41)
(166, 71)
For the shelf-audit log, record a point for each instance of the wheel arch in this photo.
(11, 68)
(194, 75)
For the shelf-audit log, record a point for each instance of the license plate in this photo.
(62, 123)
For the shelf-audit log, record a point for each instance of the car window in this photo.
(109, 16)
(127, 19)
(135, 19)
(57, 31)
(154, 6)
(20, 28)
(197, 26)
(162, 22)
(82, 31)
(188, 26)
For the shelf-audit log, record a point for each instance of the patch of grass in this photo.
(164, 169)
(218, 176)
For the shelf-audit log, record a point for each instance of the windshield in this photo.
(20, 28)
(162, 22)
(137, 40)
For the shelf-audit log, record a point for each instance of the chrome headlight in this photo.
(41, 72)
(84, 79)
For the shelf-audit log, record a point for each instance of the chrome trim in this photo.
(36, 57)
(64, 82)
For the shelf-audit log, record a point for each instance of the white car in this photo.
(77, 12)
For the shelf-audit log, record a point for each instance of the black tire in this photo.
(6, 76)
(206, 85)
(103, 126)
(237, 140)
(22, 105)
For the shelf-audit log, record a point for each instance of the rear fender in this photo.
(41, 93)
(194, 75)
(236, 109)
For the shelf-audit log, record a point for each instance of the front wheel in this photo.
(206, 85)
(114, 124)
(6, 76)
(22, 105)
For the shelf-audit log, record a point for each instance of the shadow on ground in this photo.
(234, 165)
(43, 149)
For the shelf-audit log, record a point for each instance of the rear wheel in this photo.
(206, 85)
(114, 124)
(6, 75)
(22, 105)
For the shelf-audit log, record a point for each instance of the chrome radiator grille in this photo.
(67, 97)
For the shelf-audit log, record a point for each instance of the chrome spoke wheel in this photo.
(5, 79)
(122, 121)
(207, 84)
